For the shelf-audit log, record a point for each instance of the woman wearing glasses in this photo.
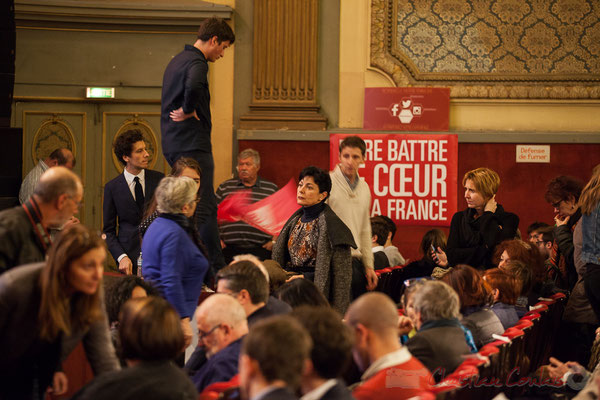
(173, 259)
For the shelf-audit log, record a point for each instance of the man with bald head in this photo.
(221, 327)
(24, 230)
(389, 370)
(59, 157)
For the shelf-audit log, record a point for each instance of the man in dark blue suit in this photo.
(186, 124)
(125, 198)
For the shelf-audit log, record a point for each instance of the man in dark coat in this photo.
(186, 121)
(25, 229)
(125, 198)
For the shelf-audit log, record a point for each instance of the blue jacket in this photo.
(590, 229)
(172, 262)
(221, 367)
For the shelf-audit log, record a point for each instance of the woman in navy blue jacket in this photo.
(172, 257)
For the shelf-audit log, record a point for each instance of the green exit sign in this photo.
(100, 93)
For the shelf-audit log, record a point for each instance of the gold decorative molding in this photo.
(52, 134)
(180, 16)
(513, 49)
(285, 55)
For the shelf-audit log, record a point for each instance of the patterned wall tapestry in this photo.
(525, 48)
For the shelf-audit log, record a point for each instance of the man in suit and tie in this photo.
(125, 197)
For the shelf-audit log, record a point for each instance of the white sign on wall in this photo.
(533, 153)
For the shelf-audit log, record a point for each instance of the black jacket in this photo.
(185, 84)
(472, 241)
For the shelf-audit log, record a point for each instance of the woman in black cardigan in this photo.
(475, 232)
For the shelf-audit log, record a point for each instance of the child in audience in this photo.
(379, 231)
(506, 290)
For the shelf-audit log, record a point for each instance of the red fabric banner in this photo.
(407, 109)
(269, 214)
(413, 178)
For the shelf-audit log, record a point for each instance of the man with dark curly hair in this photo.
(125, 198)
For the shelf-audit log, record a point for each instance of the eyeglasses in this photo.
(202, 334)
(79, 203)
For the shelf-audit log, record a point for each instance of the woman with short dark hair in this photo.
(563, 194)
(315, 242)
(151, 337)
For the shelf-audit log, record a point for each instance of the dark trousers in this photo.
(359, 279)
(231, 251)
(206, 212)
(591, 282)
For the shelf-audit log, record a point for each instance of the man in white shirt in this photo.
(125, 197)
(350, 199)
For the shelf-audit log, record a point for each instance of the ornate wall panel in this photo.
(490, 49)
(284, 81)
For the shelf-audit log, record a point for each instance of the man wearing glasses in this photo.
(221, 327)
(25, 229)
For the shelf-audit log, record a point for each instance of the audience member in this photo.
(534, 231)
(433, 239)
(247, 283)
(475, 298)
(301, 292)
(528, 254)
(392, 251)
(563, 194)
(151, 337)
(173, 260)
(273, 359)
(441, 341)
(239, 237)
(406, 322)
(389, 370)
(117, 292)
(476, 231)
(524, 276)
(277, 275)
(351, 201)
(316, 243)
(330, 354)
(379, 230)
(589, 204)
(184, 166)
(186, 121)
(59, 157)
(544, 242)
(221, 327)
(125, 198)
(24, 230)
(47, 309)
(505, 289)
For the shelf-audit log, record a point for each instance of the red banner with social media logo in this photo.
(413, 178)
(407, 109)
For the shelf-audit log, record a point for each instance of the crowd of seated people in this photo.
(294, 325)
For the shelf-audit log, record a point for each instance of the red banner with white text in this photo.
(413, 178)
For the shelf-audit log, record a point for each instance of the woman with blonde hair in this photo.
(475, 232)
(46, 309)
(589, 203)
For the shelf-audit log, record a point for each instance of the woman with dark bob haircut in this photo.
(49, 308)
(315, 242)
(475, 297)
(563, 194)
(151, 336)
(301, 292)
(475, 232)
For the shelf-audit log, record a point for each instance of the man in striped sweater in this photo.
(239, 237)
